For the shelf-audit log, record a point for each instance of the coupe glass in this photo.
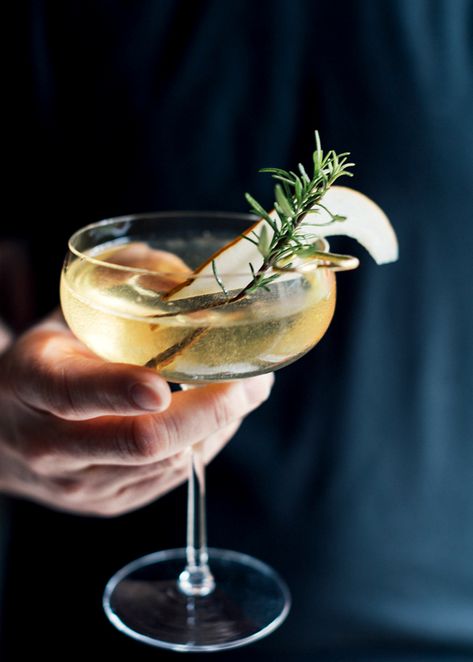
(114, 294)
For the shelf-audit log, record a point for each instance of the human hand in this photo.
(87, 436)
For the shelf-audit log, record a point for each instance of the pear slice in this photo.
(365, 221)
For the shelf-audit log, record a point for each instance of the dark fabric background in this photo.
(356, 479)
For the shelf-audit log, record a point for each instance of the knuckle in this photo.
(43, 376)
(48, 388)
(23, 385)
(39, 457)
(147, 438)
(226, 407)
(61, 396)
(70, 489)
(178, 462)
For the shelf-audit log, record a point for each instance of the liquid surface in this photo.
(123, 316)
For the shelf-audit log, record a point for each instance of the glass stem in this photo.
(196, 578)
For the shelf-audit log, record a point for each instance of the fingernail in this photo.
(146, 398)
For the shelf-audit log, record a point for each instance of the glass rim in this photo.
(333, 263)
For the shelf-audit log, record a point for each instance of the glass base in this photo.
(143, 600)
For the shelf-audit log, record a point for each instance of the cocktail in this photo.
(204, 297)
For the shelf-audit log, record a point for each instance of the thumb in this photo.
(52, 371)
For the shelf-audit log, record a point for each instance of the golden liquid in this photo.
(118, 315)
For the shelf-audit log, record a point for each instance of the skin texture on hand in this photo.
(83, 435)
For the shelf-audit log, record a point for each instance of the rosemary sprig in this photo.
(288, 235)
(296, 197)
(282, 238)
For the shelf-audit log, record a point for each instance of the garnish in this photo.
(289, 238)
(281, 239)
(297, 196)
